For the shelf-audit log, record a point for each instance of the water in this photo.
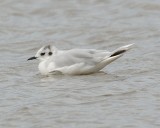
(125, 95)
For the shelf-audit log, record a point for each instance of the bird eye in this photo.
(50, 53)
(42, 54)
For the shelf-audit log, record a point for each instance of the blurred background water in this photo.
(125, 95)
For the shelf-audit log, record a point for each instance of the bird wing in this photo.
(75, 56)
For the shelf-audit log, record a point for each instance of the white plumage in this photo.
(75, 61)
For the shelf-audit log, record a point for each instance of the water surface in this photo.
(125, 95)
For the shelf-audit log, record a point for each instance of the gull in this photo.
(75, 61)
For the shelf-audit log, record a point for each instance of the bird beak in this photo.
(32, 58)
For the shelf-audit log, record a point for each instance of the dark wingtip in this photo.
(118, 52)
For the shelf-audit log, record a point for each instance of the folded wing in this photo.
(74, 56)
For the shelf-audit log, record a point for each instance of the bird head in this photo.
(44, 53)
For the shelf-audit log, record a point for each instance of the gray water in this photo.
(126, 94)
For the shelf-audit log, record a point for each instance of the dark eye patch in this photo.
(50, 53)
(42, 54)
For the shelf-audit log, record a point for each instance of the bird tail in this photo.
(121, 50)
(113, 56)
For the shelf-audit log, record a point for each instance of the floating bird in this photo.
(75, 61)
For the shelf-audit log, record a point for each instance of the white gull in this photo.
(75, 61)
